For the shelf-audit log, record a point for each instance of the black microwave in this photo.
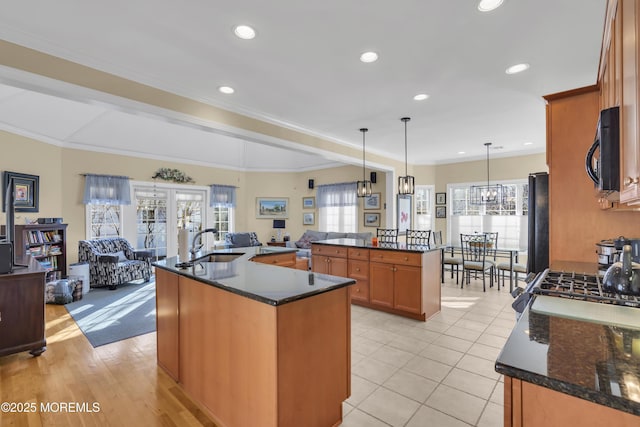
(603, 158)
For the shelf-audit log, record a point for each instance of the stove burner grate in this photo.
(579, 286)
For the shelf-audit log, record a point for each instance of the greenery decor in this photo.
(174, 175)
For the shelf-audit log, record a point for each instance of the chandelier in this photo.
(364, 186)
(487, 195)
(406, 183)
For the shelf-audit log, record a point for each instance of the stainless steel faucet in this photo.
(195, 248)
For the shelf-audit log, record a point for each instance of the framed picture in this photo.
(404, 213)
(272, 207)
(308, 218)
(441, 198)
(441, 211)
(308, 203)
(372, 202)
(25, 191)
(372, 219)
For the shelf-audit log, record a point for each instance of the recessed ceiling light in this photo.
(518, 68)
(528, 143)
(245, 32)
(226, 90)
(461, 152)
(489, 5)
(369, 57)
(421, 97)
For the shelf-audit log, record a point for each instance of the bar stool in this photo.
(418, 237)
(387, 235)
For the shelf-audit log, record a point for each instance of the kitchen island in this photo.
(392, 277)
(256, 344)
(572, 362)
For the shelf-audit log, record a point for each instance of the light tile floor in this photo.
(437, 373)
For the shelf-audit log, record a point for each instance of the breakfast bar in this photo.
(256, 344)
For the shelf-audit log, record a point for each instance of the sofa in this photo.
(241, 240)
(113, 261)
(303, 244)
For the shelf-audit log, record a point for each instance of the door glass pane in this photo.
(151, 227)
(189, 212)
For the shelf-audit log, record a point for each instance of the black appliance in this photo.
(604, 169)
(538, 218)
(6, 257)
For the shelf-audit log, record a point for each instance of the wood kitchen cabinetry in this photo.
(397, 281)
(358, 268)
(167, 324)
(282, 260)
(330, 260)
(530, 405)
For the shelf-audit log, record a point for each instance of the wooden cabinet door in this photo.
(381, 284)
(167, 324)
(320, 264)
(630, 148)
(407, 289)
(338, 266)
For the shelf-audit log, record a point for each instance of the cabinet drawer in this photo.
(360, 291)
(329, 250)
(285, 260)
(359, 253)
(358, 269)
(396, 257)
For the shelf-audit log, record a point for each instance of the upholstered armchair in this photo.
(241, 240)
(113, 261)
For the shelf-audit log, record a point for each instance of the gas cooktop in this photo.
(584, 287)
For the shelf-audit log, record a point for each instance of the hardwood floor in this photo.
(117, 384)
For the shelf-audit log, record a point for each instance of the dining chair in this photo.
(387, 235)
(419, 237)
(474, 258)
(492, 245)
(452, 261)
(517, 268)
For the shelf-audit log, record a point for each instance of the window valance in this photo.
(106, 189)
(223, 196)
(336, 195)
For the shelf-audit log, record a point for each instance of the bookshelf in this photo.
(47, 243)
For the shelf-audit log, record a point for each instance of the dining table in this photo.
(504, 253)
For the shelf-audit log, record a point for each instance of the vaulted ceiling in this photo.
(302, 72)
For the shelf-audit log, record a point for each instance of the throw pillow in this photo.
(305, 241)
(121, 256)
(241, 240)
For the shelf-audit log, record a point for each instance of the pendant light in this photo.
(364, 186)
(487, 194)
(406, 183)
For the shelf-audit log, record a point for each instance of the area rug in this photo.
(106, 316)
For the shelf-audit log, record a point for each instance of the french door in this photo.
(158, 211)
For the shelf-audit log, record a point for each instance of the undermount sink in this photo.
(211, 257)
(218, 257)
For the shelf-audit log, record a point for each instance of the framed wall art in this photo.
(372, 219)
(26, 189)
(308, 203)
(441, 198)
(404, 213)
(441, 211)
(308, 218)
(372, 202)
(272, 207)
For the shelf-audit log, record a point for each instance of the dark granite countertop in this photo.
(262, 282)
(584, 349)
(366, 244)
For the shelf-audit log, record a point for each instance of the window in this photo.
(508, 219)
(103, 220)
(222, 220)
(424, 207)
(338, 207)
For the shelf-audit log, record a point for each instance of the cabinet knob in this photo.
(406, 258)
(628, 180)
(357, 269)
